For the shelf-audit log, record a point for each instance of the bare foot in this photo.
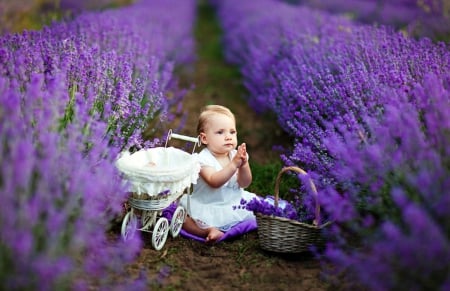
(213, 235)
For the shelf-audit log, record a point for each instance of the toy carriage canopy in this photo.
(159, 169)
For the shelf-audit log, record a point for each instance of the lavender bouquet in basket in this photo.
(288, 226)
(295, 210)
(302, 208)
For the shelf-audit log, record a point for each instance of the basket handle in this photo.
(313, 187)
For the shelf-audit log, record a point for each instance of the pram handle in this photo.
(184, 137)
(195, 140)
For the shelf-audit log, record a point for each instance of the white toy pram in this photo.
(157, 177)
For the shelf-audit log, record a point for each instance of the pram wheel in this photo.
(129, 226)
(160, 232)
(177, 221)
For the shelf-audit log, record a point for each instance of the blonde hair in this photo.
(210, 110)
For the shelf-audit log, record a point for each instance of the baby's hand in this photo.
(237, 160)
(242, 153)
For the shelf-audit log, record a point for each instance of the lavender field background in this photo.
(367, 109)
(362, 96)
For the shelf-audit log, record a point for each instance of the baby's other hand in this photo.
(237, 160)
(242, 153)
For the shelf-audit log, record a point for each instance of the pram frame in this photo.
(148, 209)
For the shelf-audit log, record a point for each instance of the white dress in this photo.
(214, 206)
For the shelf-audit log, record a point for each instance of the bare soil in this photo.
(185, 264)
(239, 264)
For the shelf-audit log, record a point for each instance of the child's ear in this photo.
(203, 138)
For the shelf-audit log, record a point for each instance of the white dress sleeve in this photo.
(206, 158)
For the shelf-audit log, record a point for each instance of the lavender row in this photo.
(417, 18)
(73, 95)
(335, 64)
(366, 107)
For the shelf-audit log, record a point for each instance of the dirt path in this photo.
(217, 82)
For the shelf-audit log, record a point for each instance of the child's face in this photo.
(220, 135)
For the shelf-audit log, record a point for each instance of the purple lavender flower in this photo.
(73, 95)
(365, 107)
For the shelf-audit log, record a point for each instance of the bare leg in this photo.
(211, 234)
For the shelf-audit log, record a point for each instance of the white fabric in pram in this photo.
(159, 169)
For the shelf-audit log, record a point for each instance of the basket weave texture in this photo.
(153, 203)
(283, 235)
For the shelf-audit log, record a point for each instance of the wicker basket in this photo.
(282, 235)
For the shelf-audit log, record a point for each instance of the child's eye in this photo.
(220, 132)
